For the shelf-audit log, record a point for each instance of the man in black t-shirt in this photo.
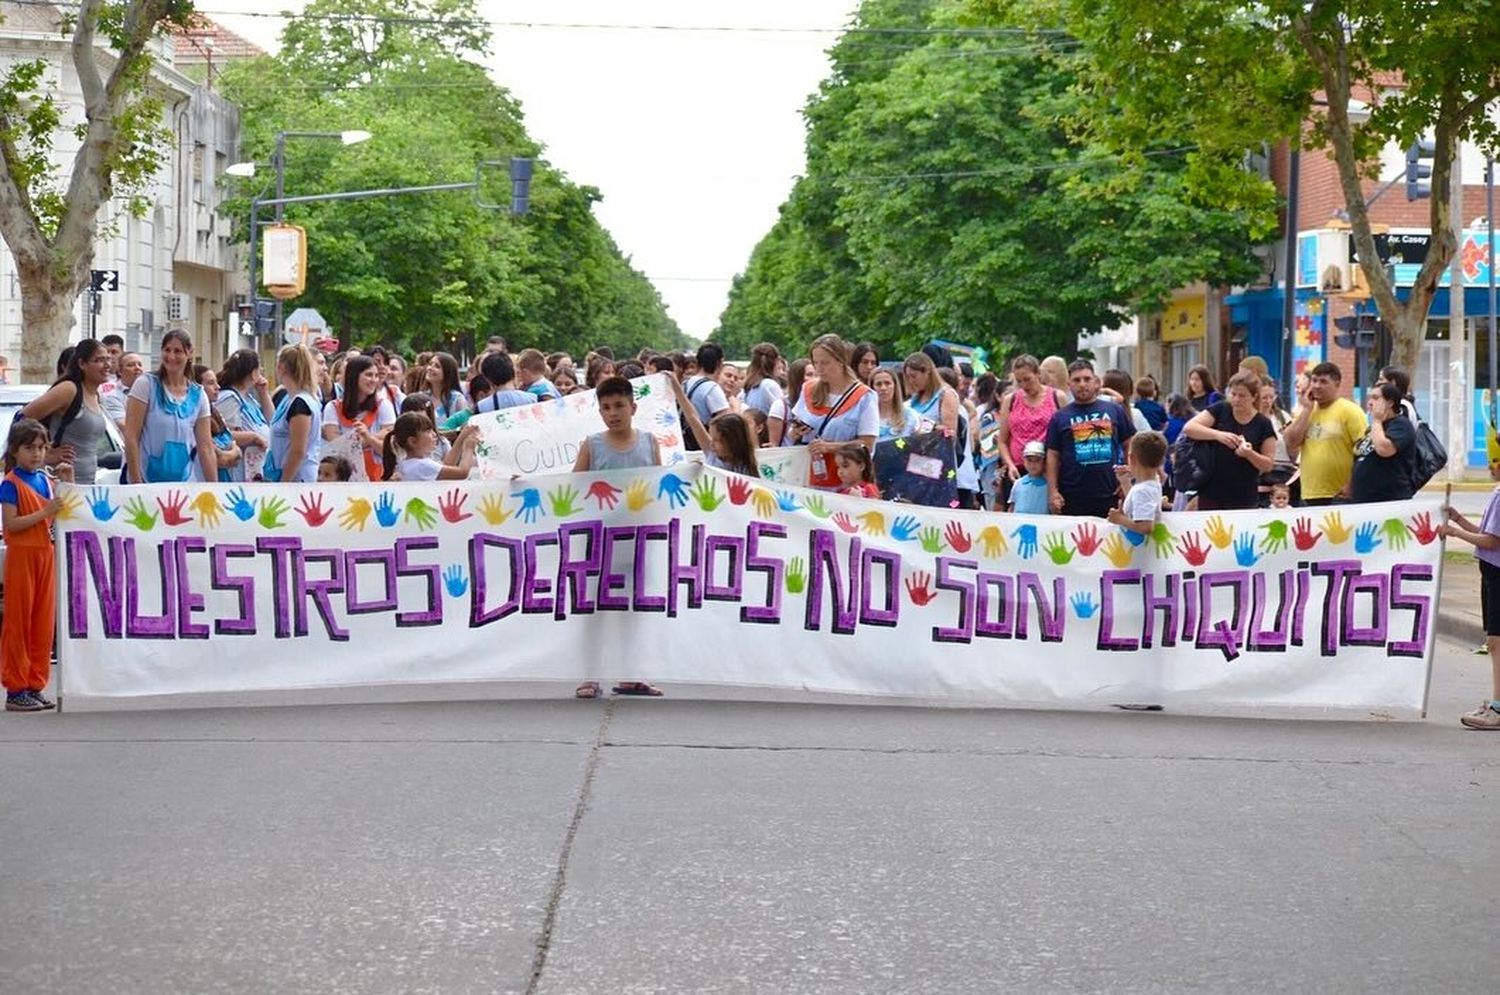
(1085, 441)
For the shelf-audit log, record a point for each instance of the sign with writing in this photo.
(730, 581)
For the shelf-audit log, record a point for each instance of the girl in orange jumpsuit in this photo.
(28, 502)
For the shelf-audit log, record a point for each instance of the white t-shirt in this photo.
(707, 396)
(385, 415)
(1143, 502)
(766, 396)
(414, 468)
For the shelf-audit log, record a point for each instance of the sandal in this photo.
(639, 688)
(588, 689)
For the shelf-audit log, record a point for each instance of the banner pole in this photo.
(1442, 562)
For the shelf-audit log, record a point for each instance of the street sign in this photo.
(104, 280)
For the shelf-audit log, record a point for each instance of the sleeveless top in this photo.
(454, 403)
(281, 443)
(28, 501)
(169, 439)
(84, 433)
(244, 415)
(1028, 423)
(843, 419)
(603, 456)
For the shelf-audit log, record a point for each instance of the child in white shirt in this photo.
(1142, 507)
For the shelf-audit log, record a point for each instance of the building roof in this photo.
(208, 41)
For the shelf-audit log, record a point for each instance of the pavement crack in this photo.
(560, 879)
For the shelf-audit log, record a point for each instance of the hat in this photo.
(1036, 447)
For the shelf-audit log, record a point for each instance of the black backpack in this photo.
(689, 440)
(1192, 463)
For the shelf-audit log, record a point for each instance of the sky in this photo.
(692, 136)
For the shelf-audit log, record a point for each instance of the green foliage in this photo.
(431, 270)
(946, 198)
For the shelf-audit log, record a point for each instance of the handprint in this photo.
(666, 419)
(1193, 550)
(707, 494)
(764, 501)
(1365, 540)
(271, 510)
(239, 505)
(1304, 535)
(531, 505)
(421, 512)
(1164, 540)
(1334, 528)
(1219, 533)
(492, 509)
(385, 510)
(958, 538)
(992, 537)
(845, 523)
(918, 590)
(642, 390)
(171, 509)
(817, 506)
(455, 581)
(637, 495)
(1395, 533)
(312, 511)
(675, 488)
(207, 507)
(1276, 537)
(138, 515)
(904, 529)
(796, 575)
(69, 503)
(1422, 530)
(562, 499)
(1117, 550)
(739, 490)
(1057, 547)
(1084, 605)
(452, 506)
(932, 539)
(100, 506)
(605, 494)
(874, 522)
(1027, 536)
(354, 515)
(1244, 550)
(1133, 537)
(787, 501)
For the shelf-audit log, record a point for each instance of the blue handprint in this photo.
(1084, 605)
(1244, 550)
(666, 419)
(385, 510)
(904, 529)
(531, 505)
(1365, 539)
(455, 581)
(1133, 537)
(1026, 546)
(675, 488)
(239, 505)
(787, 501)
(99, 504)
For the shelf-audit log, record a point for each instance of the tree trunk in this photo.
(1408, 328)
(47, 316)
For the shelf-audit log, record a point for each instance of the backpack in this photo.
(1428, 456)
(689, 440)
(1192, 463)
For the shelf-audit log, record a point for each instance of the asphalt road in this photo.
(676, 845)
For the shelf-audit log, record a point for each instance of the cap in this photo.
(1036, 447)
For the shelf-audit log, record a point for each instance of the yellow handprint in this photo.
(765, 502)
(637, 495)
(1118, 551)
(874, 523)
(70, 504)
(493, 510)
(354, 515)
(206, 504)
(994, 542)
(1335, 529)
(1220, 534)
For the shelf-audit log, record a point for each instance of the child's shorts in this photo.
(1489, 597)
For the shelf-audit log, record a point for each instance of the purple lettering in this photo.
(320, 591)
(221, 579)
(1107, 639)
(733, 587)
(479, 611)
(1420, 606)
(889, 562)
(964, 631)
(138, 625)
(573, 572)
(187, 601)
(769, 611)
(430, 572)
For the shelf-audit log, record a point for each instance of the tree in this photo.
(1231, 76)
(49, 226)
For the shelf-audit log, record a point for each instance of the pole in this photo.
(1489, 211)
(1458, 332)
(278, 160)
(1289, 303)
(254, 263)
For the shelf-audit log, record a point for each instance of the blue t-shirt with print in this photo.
(1090, 441)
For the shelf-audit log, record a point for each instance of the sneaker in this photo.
(43, 700)
(1483, 649)
(22, 701)
(1486, 716)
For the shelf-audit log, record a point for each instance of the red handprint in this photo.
(1422, 530)
(605, 493)
(846, 523)
(452, 506)
(960, 540)
(171, 509)
(1086, 538)
(917, 587)
(739, 490)
(1193, 549)
(312, 510)
(1304, 535)
(670, 440)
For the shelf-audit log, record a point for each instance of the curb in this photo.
(1461, 629)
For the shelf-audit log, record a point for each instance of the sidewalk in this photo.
(1458, 602)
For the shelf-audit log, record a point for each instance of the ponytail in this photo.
(388, 456)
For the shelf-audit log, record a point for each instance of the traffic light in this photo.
(520, 186)
(1419, 168)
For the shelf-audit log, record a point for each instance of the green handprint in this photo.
(932, 539)
(271, 510)
(1276, 537)
(642, 390)
(707, 494)
(562, 499)
(1395, 532)
(137, 514)
(796, 575)
(1163, 539)
(1057, 547)
(421, 512)
(817, 506)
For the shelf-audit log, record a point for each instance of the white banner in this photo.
(543, 438)
(731, 581)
